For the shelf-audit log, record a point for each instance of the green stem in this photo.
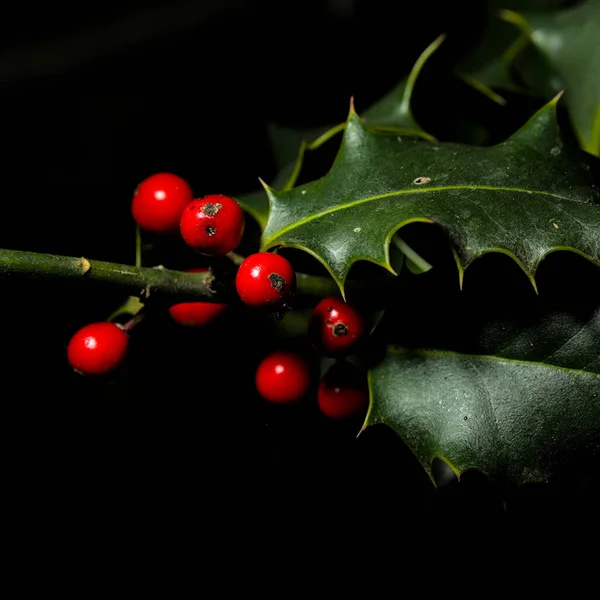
(419, 264)
(317, 287)
(137, 318)
(235, 258)
(140, 283)
(137, 281)
(138, 246)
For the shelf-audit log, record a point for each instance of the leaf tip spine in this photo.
(351, 110)
(556, 98)
(352, 114)
(265, 185)
(461, 269)
(388, 267)
(342, 291)
(534, 284)
(367, 422)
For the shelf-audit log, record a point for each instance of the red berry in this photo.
(196, 314)
(283, 377)
(212, 225)
(335, 326)
(265, 279)
(342, 392)
(97, 348)
(159, 201)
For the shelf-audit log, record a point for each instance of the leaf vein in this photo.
(494, 221)
(567, 341)
(348, 205)
(481, 384)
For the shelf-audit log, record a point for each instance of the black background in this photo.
(179, 440)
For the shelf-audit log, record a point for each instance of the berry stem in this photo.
(137, 281)
(138, 246)
(131, 306)
(143, 282)
(235, 258)
(133, 321)
(316, 287)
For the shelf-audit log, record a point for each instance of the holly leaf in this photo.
(497, 315)
(393, 111)
(526, 197)
(489, 64)
(494, 72)
(558, 338)
(257, 203)
(286, 141)
(516, 421)
(476, 340)
(568, 39)
(390, 113)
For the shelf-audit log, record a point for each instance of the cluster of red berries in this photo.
(335, 329)
(285, 378)
(214, 226)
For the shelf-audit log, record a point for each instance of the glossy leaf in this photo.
(286, 142)
(488, 66)
(558, 338)
(496, 314)
(514, 420)
(525, 197)
(392, 112)
(497, 328)
(569, 41)
(257, 203)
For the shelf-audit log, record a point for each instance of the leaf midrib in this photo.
(434, 353)
(402, 193)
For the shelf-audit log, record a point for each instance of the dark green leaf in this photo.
(516, 421)
(286, 141)
(569, 41)
(493, 319)
(497, 314)
(525, 197)
(393, 111)
(558, 338)
(488, 65)
(257, 203)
